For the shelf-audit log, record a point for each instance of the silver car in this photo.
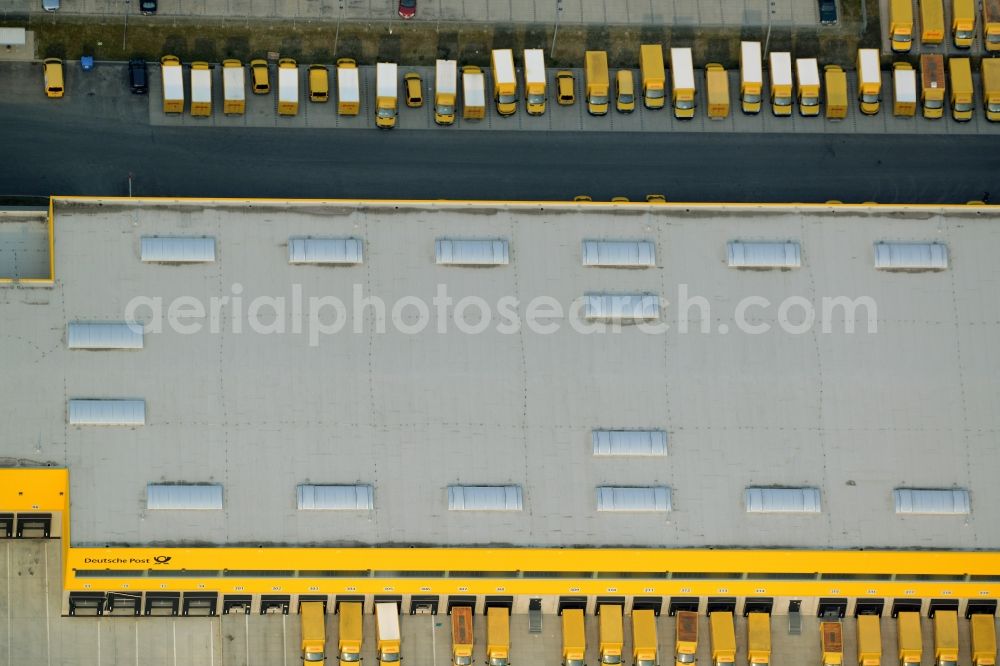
(50, 5)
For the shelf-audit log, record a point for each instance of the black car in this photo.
(137, 79)
(147, 7)
(827, 12)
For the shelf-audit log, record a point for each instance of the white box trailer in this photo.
(386, 93)
(869, 69)
(173, 84)
(751, 77)
(445, 91)
(534, 81)
(682, 69)
(348, 90)
(234, 89)
(201, 89)
(288, 87)
(473, 93)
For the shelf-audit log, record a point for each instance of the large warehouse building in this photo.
(536, 405)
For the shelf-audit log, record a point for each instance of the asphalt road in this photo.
(90, 147)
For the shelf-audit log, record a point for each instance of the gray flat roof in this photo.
(855, 416)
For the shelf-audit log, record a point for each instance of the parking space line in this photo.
(48, 621)
(173, 624)
(137, 643)
(211, 642)
(10, 639)
(98, 623)
(434, 651)
(284, 640)
(246, 635)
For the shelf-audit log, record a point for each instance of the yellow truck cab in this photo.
(319, 83)
(722, 635)
(982, 627)
(596, 82)
(900, 25)
(751, 77)
(348, 88)
(611, 634)
(904, 90)
(991, 88)
(682, 76)
(991, 25)
(653, 74)
(574, 637)
(386, 95)
(497, 636)
(931, 22)
(534, 81)
(260, 82)
(932, 84)
(461, 636)
(52, 73)
(686, 637)
(201, 90)
(908, 638)
(717, 84)
(313, 617)
(869, 640)
(387, 648)
(759, 639)
(445, 91)
(831, 643)
(504, 82)
(946, 638)
(963, 22)
(807, 72)
(645, 648)
(960, 72)
(350, 636)
(288, 87)
(781, 83)
(624, 91)
(234, 93)
(836, 92)
(869, 81)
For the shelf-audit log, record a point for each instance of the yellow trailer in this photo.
(908, 638)
(900, 25)
(832, 643)
(991, 88)
(836, 92)
(722, 635)
(350, 636)
(946, 638)
(461, 635)
(960, 71)
(596, 82)
(313, 632)
(233, 88)
(991, 25)
(497, 636)
(611, 635)
(932, 84)
(759, 639)
(869, 640)
(984, 639)
(645, 649)
(931, 21)
(717, 83)
(963, 22)
(574, 637)
(654, 77)
(904, 90)
(686, 641)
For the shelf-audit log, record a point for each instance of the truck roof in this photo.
(446, 76)
(991, 9)
(868, 65)
(503, 65)
(808, 71)
(534, 66)
(751, 62)
(173, 81)
(991, 75)
(781, 68)
(681, 68)
(385, 79)
(474, 89)
(201, 85)
(932, 70)
(288, 84)
(347, 84)
(233, 83)
(387, 618)
(905, 85)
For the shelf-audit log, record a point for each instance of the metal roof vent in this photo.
(124, 335)
(454, 252)
(484, 498)
(622, 307)
(783, 500)
(330, 251)
(953, 502)
(763, 256)
(335, 498)
(183, 496)
(618, 498)
(630, 442)
(178, 249)
(619, 254)
(107, 412)
(912, 257)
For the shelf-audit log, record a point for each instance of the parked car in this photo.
(407, 8)
(564, 85)
(827, 12)
(52, 71)
(147, 7)
(138, 81)
(50, 5)
(414, 95)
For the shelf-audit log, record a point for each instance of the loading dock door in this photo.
(6, 525)
(125, 603)
(87, 603)
(200, 603)
(236, 603)
(34, 525)
(163, 603)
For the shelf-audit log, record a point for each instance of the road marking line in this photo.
(434, 655)
(137, 643)
(211, 642)
(284, 642)
(10, 639)
(174, 625)
(48, 634)
(246, 635)
(98, 641)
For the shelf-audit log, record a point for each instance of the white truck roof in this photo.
(173, 81)
(201, 85)
(781, 68)
(347, 84)
(905, 83)
(387, 617)
(503, 63)
(474, 89)
(869, 69)
(288, 84)
(534, 66)
(446, 76)
(808, 71)
(233, 83)
(751, 62)
(681, 68)
(385, 79)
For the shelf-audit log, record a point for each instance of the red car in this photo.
(407, 8)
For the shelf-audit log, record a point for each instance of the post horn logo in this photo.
(162, 559)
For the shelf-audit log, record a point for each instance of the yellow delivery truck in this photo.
(984, 639)
(869, 81)
(869, 640)
(991, 88)
(900, 25)
(348, 88)
(445, 91)
(387, 647)
(807, 72)
(201, 90)
(832, 643)
(534, 81)
(288, 87)
(759, 639)
(574, 637)
(682, 76)
(497, 636)
(386, 95)
(612, 639)
(645, 649)
(686, 637)
(946, 638)
(931, 21)
(751, 77)
(836, 92)
(908, 638)
(350, 637)
(960, 72)
(991, 25)
(963, 22)
(461, 635)
(932, 84)
(173, 84)
(313, 632)
(781, 83)
(904, 90)
(473, 93)
(722, 635)
(654, 76)
(233, 88)
(504, 81)
(596, 82)
(717, 84)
